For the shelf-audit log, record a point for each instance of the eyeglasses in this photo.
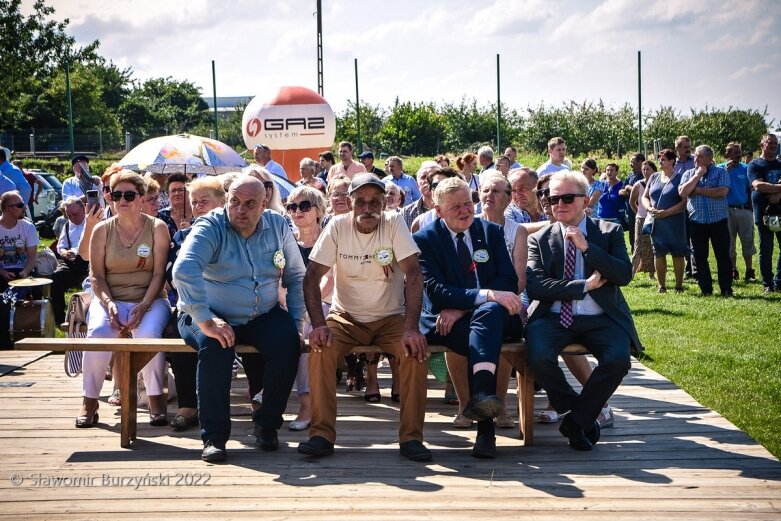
(543, 192)
(553, 200)
(268, 185)
(21, 206)
(338, 195)
(304, 206)
(129, 196)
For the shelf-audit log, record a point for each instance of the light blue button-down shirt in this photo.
(220, 273)
(17, 177)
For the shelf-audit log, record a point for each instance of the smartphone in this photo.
(92, 198)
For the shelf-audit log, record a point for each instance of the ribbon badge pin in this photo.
(480, 256)
(279, 262)
(384, 257)
(143, 251)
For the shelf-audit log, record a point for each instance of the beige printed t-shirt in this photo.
(368, 283)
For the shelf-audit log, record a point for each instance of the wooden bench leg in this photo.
(129, 365)
(525, 388)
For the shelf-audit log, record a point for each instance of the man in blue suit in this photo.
(575, 269)
(470, 301)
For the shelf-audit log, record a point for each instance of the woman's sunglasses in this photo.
(304, 206)
(553, 200)
(543, 192)
(128, 195)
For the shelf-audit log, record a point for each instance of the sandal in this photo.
(548, 416)
(158, 420)
(606, 417)
(87, 420)
(115, 399)
(373, 397)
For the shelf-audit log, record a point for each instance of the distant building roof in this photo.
(227, 103)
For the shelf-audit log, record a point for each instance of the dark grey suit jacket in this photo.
(606, 253)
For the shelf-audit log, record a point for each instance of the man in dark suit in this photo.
(470, 298)
(575, 269)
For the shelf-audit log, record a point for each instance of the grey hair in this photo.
(449, 186)
(705, 149)
(565, 176)
(486, 152)
(308, 163)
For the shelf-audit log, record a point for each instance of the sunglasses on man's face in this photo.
(129, 195)
(553, 200)
(304, 206)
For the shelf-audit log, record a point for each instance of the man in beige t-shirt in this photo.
(372, 254)
(347, 167)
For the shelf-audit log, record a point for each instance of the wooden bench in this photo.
(134, 353)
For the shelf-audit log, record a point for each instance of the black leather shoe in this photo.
(482, 407)
(574, 432)
(414, 450)
(594, 433)
(316, 446)
(213, 453)
(181, 422)
(267, 439)
(485, 447)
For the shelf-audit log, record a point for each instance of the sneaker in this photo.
(316, 446)
(462, 422)
(213, 453)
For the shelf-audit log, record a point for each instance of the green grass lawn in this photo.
(725, 352)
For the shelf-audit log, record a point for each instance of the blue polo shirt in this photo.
(739, 185)
(219, 272)
(707, 210)
(406, 184)
(17, 177)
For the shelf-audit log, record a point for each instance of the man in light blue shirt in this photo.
(405, 182)
(262, 154)
(741, 217)
(227, 273)
(14, 174)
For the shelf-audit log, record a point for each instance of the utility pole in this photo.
(70, 106)
(214, 101)
(498, 107)
(639, 106)
(358, 109)
(320, 47)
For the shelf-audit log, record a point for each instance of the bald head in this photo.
(246, 203)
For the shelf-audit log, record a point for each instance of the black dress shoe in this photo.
(316, 446)
(575, 434)
(482, 407)
(415, 450)
(213, 453)
(267, 439)
(593, 433)
(485, 447)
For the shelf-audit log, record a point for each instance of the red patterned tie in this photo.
(569, 272)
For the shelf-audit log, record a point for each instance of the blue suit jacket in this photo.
(545, 281)
(444, 280)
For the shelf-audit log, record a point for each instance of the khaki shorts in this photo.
(741, 224)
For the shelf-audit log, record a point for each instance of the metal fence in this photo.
(56, 141)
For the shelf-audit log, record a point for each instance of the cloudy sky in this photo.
(694, 52)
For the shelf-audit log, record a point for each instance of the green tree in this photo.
(372, 119)
(34, 50)
(413, 129)
(162, 105)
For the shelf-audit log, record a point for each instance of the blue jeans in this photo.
(275, 336)
(766, 257)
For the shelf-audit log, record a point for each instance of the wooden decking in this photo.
(667, 456)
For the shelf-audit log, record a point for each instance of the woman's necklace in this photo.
(121, 235)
